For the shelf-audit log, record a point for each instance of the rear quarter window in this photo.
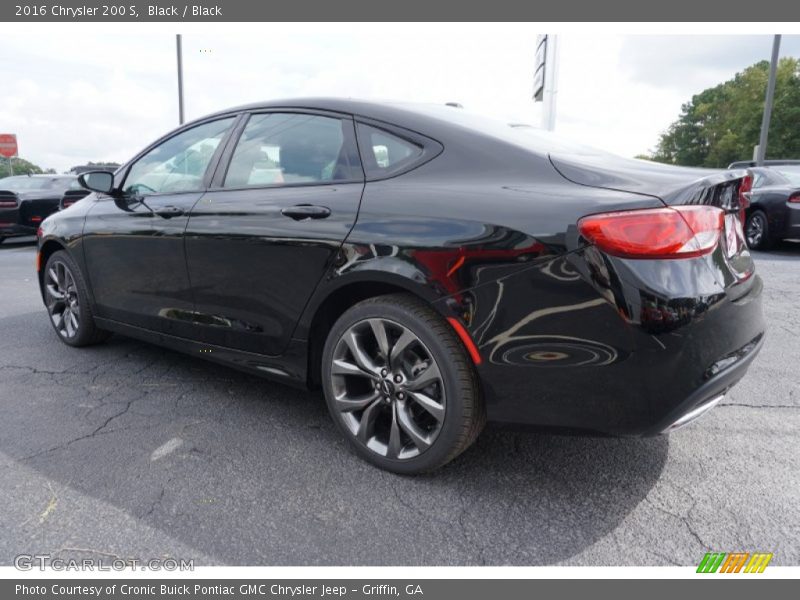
(385, 153)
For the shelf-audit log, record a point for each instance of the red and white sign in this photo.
(8, 145)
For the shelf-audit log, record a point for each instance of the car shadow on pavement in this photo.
(789, 249)
(252, 472)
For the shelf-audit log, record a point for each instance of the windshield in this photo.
(35, 184)
(792, 174)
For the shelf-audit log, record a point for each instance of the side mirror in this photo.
(97, 181)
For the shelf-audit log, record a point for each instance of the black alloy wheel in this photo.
(400, 386)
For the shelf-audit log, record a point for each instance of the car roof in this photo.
(365, 108)
(428, 119)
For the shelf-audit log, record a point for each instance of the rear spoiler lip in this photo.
(685, 194)
(670, 193)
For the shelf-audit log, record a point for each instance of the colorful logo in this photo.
(734, 562)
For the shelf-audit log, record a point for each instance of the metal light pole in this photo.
(179, 49)
(550, 84)
(773, 68)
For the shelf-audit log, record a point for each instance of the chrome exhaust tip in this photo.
(694, 414)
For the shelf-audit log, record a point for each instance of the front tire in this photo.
(400, 386)
(756, 231)
(67, 302)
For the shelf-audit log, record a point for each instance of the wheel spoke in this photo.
(359, 355)
(395, 443)
(429, 404)
(366, 427)
(67, 318)
(379, 331)
(342, 367)
(418, 437)
(54, 293)
(404, 341)
(60, 271)
(346, 404)
(52, 273)
(429, 376)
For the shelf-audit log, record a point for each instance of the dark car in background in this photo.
(427, 268)
(774, 211)
(72, 195)
(27, 200)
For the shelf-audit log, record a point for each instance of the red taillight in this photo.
(8, 204)
(36, 219)
(39, 233)
(675, 232)
(795, 198)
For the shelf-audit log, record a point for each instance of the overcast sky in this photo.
(103, 96)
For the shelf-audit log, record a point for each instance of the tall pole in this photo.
(11, 165)
(180, 77)
(773, 68)
(550, 84)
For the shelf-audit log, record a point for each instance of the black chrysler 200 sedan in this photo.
(428, 269)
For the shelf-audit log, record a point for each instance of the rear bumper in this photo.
(709, 394)
(26, 218)
(617, 347)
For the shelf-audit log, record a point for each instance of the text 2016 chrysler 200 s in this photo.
(428, 269)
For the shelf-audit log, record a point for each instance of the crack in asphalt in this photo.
(686, 520)
(97, 431)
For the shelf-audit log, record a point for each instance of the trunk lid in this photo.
(726, 189)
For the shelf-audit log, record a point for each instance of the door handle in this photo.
(306, 211)
(169, 211)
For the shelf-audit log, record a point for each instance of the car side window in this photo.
(293, 148)
(384, 153)
(178, 164)
(759, 180)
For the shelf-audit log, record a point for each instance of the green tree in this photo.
(722, 124)
(21, 167)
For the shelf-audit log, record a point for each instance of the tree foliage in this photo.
(21, 167)
(722, 124)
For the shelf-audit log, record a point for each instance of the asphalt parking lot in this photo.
(129, 450)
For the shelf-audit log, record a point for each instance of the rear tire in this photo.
(756, 231)
(400, 385)
(67, 302)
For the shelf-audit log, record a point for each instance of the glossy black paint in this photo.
(484, 229)
(770, 195)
